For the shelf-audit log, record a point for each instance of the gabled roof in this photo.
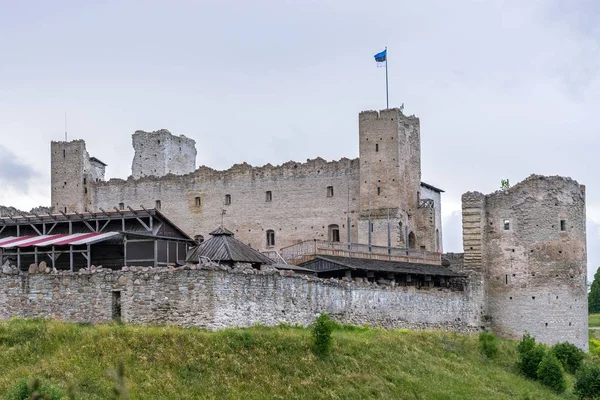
(335, 263)
(428, 186)
(222, 246)
(94, 159)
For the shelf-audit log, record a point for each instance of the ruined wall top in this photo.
(160, 153)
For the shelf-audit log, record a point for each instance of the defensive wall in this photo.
(529, 242)
(215, 299)
(296, 201)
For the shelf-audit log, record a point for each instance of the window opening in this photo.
(116, 306)
(563, 225)
(157, 204)
(270, 237)
(376, 147)
(227, 199)
(329, 191)
(506, 223)
(378, 190)
(198, 201)
(121, 206)
(269, 196)
(412, 241)
(334, 233)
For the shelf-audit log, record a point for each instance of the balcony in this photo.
(305, 251)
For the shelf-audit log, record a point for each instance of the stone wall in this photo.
(159, 153)
(220, 299)
(534, 268)
(306, 201)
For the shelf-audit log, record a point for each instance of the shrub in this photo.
(33, 390)
(587, 385)
(569, 355)
(488, 344)
(321, 331)
(551, 374)
(530, 356)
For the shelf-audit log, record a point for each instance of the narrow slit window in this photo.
(329, 191)
(268, 196)
(376, 147)
(157, 204)
(270, 237)
(563, 225)
(198, 201)
(378, 190)
(506, 224)
(227, 199)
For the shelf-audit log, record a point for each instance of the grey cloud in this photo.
(452, 225)
(13, 172)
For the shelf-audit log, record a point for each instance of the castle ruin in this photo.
(524, 248)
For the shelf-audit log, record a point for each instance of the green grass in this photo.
(258, 363)
(594, 320)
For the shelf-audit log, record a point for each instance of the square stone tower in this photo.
(390, 182)
(160, 153)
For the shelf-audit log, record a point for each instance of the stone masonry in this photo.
(529, 243)
(238, 298)
(297, 201)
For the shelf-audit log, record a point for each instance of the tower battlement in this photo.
(160, 153)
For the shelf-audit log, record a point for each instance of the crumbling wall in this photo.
(70, 176)
(219, 299)
(160, 153)
(535, 269)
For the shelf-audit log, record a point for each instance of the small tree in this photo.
(321, 331)
(588, 382)
(569, 355)
(504, 184)
(551, 374)
(488, 344)
(594, 294)
(530, 356)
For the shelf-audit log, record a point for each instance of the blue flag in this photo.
(381, 58)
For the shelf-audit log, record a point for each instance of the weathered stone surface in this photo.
(217, 299)
(33, 268)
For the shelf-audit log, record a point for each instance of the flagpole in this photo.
(387, 98)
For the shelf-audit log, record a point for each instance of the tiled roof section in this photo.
(224, 247)
(333, 263)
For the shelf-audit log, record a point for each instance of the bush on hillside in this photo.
(530, 356)
(551, 374)
(321, 330)
(588, 382)
(488, 344)
(23, 390)
(569, 355)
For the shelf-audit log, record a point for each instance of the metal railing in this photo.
(307, 250)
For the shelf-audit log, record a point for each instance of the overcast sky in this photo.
(503, 89)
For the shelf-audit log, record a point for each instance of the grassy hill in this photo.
(257, 363)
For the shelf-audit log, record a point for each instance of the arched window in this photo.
(412, 241)
(437, 240)
(334, 233)
(270, 237)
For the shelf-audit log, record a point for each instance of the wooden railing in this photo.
(307, 250)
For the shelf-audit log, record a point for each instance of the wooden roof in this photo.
(222, 246)
(335, 263)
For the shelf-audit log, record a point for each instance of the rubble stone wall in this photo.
(221, 299)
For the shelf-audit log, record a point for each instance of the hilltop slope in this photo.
(257, 363)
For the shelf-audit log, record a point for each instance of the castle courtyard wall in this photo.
(300, 206)
(221, 299)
